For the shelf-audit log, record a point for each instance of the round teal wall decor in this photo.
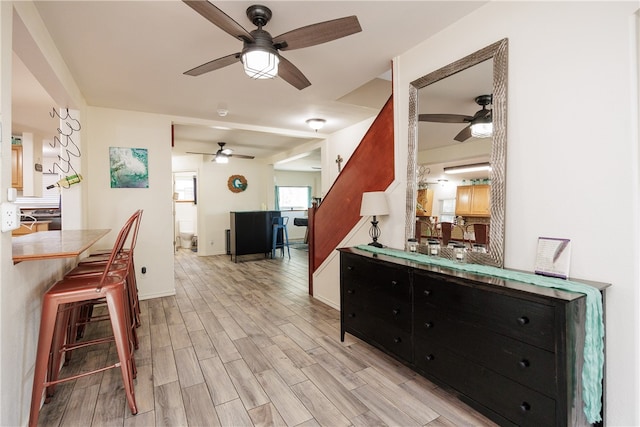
(237, 183)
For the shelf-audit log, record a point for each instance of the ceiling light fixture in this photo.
(260, 61)
(221, 158)
(468, 168)
(316, 124)
(482, 127)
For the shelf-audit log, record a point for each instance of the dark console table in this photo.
(251, 232)
(511, 350)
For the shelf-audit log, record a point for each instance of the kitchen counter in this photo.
(54, 244)
(28, 227)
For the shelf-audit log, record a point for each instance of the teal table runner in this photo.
(593, 367)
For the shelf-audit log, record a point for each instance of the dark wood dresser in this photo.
(511, 350)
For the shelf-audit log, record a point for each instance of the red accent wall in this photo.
(370, 168)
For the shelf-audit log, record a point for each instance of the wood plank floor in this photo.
(243, 344)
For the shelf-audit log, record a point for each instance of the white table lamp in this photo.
(373, 204)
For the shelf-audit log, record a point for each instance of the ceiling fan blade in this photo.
(220, 19)
(241, 156)
(444, 118)
(290, 73)
(206, 154)
(214, 65)
(319, 33)
(464, 134)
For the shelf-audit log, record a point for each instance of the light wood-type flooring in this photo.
(244, 344)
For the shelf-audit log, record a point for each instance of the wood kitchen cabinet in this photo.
(16, 166)
(473, 200)
(425, 202)
(509, 349)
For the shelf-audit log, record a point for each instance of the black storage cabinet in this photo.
(251, 232)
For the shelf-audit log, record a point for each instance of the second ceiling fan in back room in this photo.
(223, 154)
(479, 125)
(260, 54)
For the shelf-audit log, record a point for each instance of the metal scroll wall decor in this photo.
(69, 150)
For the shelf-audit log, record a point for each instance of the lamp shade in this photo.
(374, 203)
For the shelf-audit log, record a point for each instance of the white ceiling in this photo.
(131, 55)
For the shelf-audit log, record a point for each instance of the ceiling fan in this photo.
(260, 53)
(223, 154)
(479, 125)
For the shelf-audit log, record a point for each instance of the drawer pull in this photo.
(427, 292)
(428, 325)
(350, 267)
(352, 315)
(523, 320)
(350, 291)
(397, 340)
(524, 363)
(394, 283)
(395, 311)
(525, 407)
(429, 357)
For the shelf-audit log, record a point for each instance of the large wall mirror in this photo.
(442, 107)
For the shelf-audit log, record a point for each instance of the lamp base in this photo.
(376, 244)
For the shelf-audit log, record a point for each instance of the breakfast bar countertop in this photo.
(54, 244)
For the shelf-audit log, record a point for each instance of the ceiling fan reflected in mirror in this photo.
(223, 154)
(260, 54)
(480, 125)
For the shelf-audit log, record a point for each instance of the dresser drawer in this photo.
(529, 365)
(394, 313)
(363, 274)
(379, 332)
(519, 318)
(513, 401)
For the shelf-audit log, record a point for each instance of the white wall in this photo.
(23, 284)
(110, 207)
(341, 143)
(574, 174)
(292, 178)
(216, 201)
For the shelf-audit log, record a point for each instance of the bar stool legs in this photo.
(280, 223)
(55, 313)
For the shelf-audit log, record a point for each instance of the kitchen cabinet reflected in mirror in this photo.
(455, 171)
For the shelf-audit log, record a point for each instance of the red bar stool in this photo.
(91, 265)
(58, 303)
(95, 265)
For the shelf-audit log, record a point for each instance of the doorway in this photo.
(185, 210)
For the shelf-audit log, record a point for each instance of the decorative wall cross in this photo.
(339, 161)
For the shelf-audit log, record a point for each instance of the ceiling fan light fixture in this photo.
(260, 62)
(221, 158)
(316, 124)
(482, 129)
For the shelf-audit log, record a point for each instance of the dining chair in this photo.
(445, 231)
(481, 234)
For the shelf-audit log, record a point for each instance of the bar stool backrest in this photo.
(119, 244)
(136, 227)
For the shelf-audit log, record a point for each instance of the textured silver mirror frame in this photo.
(499, 53)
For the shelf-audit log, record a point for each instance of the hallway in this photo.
(243, 344)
